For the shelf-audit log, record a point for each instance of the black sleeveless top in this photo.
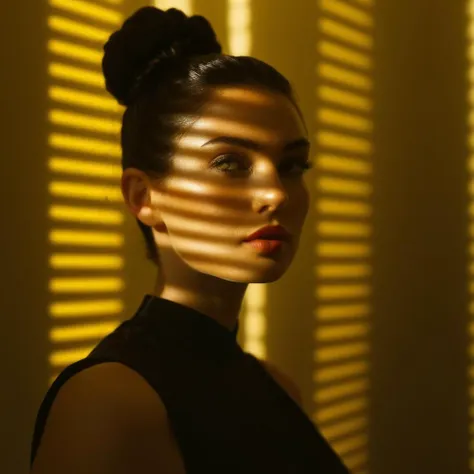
(228, 415)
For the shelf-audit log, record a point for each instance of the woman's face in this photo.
(238, 168)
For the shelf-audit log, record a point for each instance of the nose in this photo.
(271, 196)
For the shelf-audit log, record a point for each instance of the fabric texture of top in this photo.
(227, 413)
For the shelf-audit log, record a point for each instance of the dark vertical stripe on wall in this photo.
(420, 342)
(23, 295)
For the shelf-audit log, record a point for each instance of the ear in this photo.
(136, 189)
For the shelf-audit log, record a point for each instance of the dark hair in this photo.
(160, 65)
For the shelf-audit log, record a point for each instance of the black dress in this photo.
(227, 413)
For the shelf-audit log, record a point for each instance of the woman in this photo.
(214, 151)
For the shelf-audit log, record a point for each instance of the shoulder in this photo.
(105, 419)
(285, 381)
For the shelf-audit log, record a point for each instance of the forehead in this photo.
(267, 117)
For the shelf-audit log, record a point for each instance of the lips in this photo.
(276, 232)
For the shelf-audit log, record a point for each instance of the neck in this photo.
(219, 299)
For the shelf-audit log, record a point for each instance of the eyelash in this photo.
(223, 159)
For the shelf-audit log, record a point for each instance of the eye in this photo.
(230, 163)
(297, 166)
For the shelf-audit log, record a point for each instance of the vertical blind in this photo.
(343, 230)
(85, 212)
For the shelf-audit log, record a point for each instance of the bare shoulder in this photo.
(107, 419)
(284, 380)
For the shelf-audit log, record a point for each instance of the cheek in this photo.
(300, 201)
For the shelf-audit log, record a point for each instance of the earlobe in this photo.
(145, 215)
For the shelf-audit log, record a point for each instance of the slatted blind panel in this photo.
(85, 209)
(470, 33)
(343, 228)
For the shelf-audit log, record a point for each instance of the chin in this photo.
(262, 271)
(248, 276)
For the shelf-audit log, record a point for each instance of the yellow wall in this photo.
(372, 319)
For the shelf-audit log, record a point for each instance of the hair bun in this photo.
(149, 37)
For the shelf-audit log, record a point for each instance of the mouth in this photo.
(270, 233)
(266, 246)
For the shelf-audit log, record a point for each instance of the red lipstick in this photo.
(268, 239)
(270, 232)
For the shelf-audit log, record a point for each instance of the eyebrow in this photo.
(252, 145)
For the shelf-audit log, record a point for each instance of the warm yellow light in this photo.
(85, 215)
(239, 26)
(354, 460)
(84, 168)
(356, 80)
(345, 208)
(255, 327)
(82, 332)
(344, 98)
(350, 444)
(88, 192)
(64, 261)
(87, 145)
(344, 55)
(346, 143)
(329, 162)
(335, 292)
(343, 331)
(69, 356)
(341, 371)
(343, 229)
(342, 32)
(184, 5)
(89, 10)
(334, 392)
(86, 238)
(343, 250)
(78, 29)
(73, 51)
(257, 347)
(346, 427)
(356, 405)
(347, 12)
(349, 187)
(76, 74)
(91, 308)
(336, 312)
(84, 122)
(344, 120)
(471, 90)
(85, 285)
(84, 99)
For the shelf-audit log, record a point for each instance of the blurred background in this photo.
(373, 320)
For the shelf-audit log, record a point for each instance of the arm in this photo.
(107, 420)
